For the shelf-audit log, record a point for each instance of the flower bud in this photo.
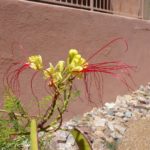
(35, 62)
(49, 71)
(60, 66)
(77, 68)
(73, 52)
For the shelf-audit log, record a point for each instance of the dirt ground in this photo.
(137, 136)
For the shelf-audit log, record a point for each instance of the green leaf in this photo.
(75, 94)
(33, 135)
(12, 103)
(112, 146)
(45, 101)
(47, 98)
(81, 140)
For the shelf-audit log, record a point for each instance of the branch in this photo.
(17, 114)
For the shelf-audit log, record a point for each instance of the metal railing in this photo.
(131, 8)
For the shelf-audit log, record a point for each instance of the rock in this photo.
(146, 102)
(141, 98)
(128, 97)
(128, 114)
(133, 102)
(63, 140)
(139, 92)
(26, 145)
(116, 135)
(121, 101)
(143, 111)
(125, 119)
(41, 134)
(119, 114)
(120, 129)
(63, 135)
(110, 126)
(66, 146)
(136, 115)
(98, 145)
(148, 87)
(94, 111)
(141, 88)
(109, 139)
(51, 144)
(70, 140)
(99, 133)
(99, 122)
(110, 105)
(111, 112)
(110, 117)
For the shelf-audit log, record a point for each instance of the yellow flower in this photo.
(57, 76)
(35, 62)
(60, 66)
(49, 71)
(55, 73)
(77, 68)
(75, 61)
(73, 52)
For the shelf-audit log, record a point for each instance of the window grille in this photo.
(131, 8)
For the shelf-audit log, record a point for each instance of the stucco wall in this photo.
(128, 7)
(28, 28)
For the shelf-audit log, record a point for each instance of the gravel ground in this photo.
(122, 125)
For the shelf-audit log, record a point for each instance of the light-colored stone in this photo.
(99, 133)
(109, 139)
(110, 112)
(119, 114)
(63, 135)
(99, 122)
(110, 105)
(116, 135)
(98, 145)
(120, 129)
(70, 140)
(110, 126)
(128, 114)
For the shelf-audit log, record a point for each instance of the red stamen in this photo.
(106, 45)
(113, 68)
(12, 77)
(33, 93)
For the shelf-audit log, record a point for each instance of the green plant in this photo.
(59, 79)
(81, 140)
(33, 134)
(112, 146)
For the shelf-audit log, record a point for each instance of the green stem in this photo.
(18, 114)
(49, 111)
(33, 135)
(66, 101)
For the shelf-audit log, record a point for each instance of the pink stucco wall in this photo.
(128, 7)
(28, 28)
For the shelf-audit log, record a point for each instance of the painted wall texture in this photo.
(28, 28)
(128, 7)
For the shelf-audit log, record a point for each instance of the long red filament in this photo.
(106, 45)
(114, 68)
(12, 78)
(33, 93)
